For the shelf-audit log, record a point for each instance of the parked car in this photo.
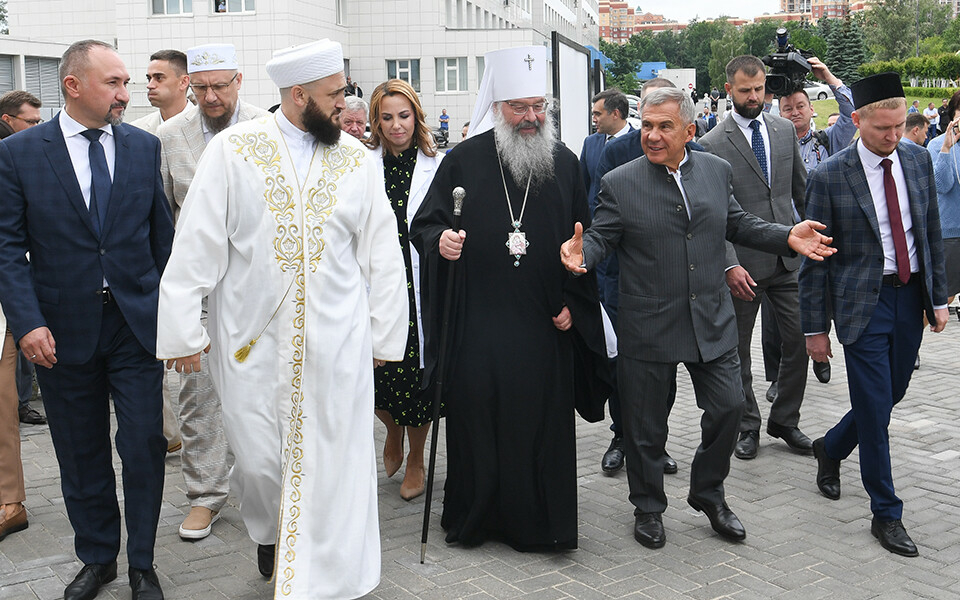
(817, 91)
(634, 103)
(441, 137)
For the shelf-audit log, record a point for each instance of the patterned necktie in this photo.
(756, 142)
(896, 222)
(100, 182)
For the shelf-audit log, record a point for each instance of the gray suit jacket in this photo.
(182, 144)
(773, 202)
(674, 301)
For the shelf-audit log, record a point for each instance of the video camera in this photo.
(788, 66)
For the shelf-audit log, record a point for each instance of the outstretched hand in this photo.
(571, 252)
(806, 239)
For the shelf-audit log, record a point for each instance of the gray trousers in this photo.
(645, 404)
(205, 459)
(782, 293)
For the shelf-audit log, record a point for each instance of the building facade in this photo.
(436, 45)
(32, 66)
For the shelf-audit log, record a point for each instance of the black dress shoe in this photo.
(893, 537)
(822, 371)
(648, 530)
(86, 585)
(792, 436)
(145, 585)
(828, 471)
(613, 457)
(772, 392)
(669, 465)
(266, 555)
(721, 518)
(30, 416)
(916, 363)
(747, 447)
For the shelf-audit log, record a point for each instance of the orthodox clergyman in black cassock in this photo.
(526, 338)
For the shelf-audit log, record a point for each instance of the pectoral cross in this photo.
(529, 60)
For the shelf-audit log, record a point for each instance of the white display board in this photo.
(571, 89)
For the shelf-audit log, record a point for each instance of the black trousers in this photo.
(76, 398)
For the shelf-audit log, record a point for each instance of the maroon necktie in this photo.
(896, 223)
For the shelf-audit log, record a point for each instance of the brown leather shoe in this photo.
(14, 522)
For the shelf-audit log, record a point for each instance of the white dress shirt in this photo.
(79, 150)
(874, 173)
(744, 124)
(302, 146)
(678, 177)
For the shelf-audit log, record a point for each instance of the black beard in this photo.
(320, 125)
(217, 124)
(746, 112)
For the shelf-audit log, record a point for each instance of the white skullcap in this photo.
(212, 57)
(302, 64)
(508, 74)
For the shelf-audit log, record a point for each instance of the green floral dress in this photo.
(398, 384)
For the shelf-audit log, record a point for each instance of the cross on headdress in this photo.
(529, 60)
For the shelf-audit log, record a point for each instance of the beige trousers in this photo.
(11, 469)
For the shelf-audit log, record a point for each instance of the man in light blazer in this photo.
(82, 194)
(878, 199)
(768, 181)
(668, 216)
(205, 458)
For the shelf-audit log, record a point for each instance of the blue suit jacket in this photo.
(42, 212)
(589, 160)
(838, 196)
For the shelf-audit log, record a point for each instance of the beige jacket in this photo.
(182, 144)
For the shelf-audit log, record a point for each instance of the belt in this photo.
(894, 279)
(106, 295)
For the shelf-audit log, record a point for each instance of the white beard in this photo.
(525, 155)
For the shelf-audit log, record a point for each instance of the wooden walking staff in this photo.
(458, 195)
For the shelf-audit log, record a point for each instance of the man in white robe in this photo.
(288, 230)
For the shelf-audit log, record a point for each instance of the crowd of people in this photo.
(298, 272)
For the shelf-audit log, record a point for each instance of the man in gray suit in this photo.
(769, 179)
(205, 459)
(674, 304)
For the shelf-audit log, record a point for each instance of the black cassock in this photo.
(513, 379)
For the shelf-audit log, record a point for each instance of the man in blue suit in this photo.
(609, 112)
(82, 195)
(618, 152)
(878, 200)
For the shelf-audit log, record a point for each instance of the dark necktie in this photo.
(756, 142)
(100, 182)
(896, 222)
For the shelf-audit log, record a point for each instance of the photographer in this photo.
(816, 146)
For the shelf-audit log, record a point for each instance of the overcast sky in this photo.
(685, 10)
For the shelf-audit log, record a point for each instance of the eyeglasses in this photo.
(30, 122)
(521, 108)
(201, 90)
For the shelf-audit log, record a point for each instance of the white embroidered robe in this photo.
(298, 412)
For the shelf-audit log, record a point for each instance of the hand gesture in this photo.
(950, 135)
(821, 72)
(571, 252)
(451, 243)
(805, 239)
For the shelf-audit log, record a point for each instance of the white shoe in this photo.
(198, 523)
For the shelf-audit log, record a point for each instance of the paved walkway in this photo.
(799, 544)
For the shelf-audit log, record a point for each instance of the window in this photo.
(480, 67)
(172, 7)
(232, 6)
(6, 74)
(341, 12)
(452, 74)
(43, 80)
(407, 69)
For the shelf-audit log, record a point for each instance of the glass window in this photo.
(42, 79)
(172, 7)
(452, 74)
(234, 6)
(407, 69)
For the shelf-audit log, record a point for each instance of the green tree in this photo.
(696, 47)
(721, 51)
(645, 48)
(671, 45)
(805, 36)
(846, 50)
(892, 27)
(759, 39)
(3, 17)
